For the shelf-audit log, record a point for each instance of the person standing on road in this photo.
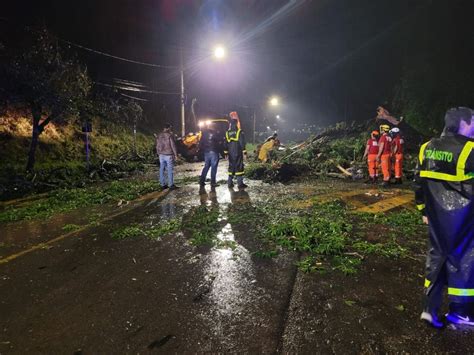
(166, 150)
(384, 153)
(444, 190)
(209, 145)
(371, 151)
(234, 148)
(397, 152)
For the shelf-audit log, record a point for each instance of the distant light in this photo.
(268, 127)
(203, 123)
(219, 52)
(277, 117)
(274, 101)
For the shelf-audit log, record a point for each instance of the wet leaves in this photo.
(127, 232)
(309, 264)
(65, 200)
(154, 232)
(164, 228)
(265, 254)
(70, 227)
(202, 224)
(328, 233)
(400, 307)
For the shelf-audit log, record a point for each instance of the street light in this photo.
(220, 52)
(274, 101)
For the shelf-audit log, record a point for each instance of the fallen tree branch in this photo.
(344, 171)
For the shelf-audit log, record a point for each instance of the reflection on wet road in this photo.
(230, 267)
(77, 293)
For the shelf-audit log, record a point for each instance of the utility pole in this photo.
(183, 118)
(254, 124)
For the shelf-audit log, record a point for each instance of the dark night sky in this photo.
(327, 59)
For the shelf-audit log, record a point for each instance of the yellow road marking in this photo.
(388, 204)
(70, 234)
(333, 195)
(355, 203)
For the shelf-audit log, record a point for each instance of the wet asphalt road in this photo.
(86, 293)
(89, 293)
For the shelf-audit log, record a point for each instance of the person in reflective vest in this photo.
(397, 152)
(371, 151)
(264, 152)
(444, 180)
(234, 149)
(384, 153)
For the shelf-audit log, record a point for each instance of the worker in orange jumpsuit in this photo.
(385, 152)
(397, 152)
(371, 151)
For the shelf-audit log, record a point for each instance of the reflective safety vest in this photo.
(442, 160)
(235, 149)
(232, 136)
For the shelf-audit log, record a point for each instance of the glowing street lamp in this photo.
(220, 52)
(274, 101)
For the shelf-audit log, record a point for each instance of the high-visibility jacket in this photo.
(265, 150)
(444, 180)
(234, 147)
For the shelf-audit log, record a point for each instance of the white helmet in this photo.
(395, 130)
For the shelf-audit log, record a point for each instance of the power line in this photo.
(133, 97)
(129, 83)
(134, 89)
(119, 58)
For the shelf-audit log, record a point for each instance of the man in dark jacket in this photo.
(444, 180)
(234, 148)
(166, 150)
(209, 145)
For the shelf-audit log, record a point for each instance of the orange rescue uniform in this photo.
(373, 146)
(385, 157)
(398, 150)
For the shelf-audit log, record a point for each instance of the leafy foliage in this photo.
(164, 228)
(65, 200)
(202, 224)
(127, 232)
(46, 79)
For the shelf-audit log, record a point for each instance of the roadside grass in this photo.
(65, 200)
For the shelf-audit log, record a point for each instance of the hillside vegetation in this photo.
(61, 158)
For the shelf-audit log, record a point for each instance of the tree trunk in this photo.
(38, 128)
(34, 143)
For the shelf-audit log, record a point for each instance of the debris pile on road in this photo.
(335, 152)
